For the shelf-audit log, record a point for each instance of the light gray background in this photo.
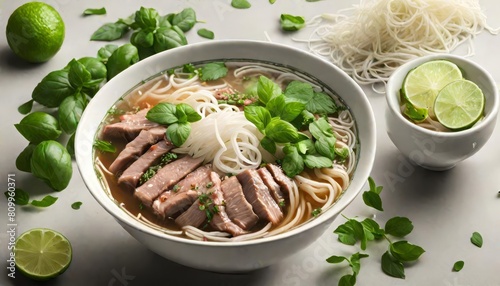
(445, 207)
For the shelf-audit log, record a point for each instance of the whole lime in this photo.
(35, 32)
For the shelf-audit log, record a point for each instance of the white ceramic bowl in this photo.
(233, 256)
(440, 150)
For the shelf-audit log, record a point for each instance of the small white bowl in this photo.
(227, 256)
(435, 150)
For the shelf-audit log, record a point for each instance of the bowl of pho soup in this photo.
(227, 149)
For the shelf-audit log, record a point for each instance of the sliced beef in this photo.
(183, 194)
(165, 178)
(285, 183)
(274, 188)
(192, 216)
(129, 127)
(257, 194)
(237, 207)
(213, 203)
(133, 173)
(135, 148)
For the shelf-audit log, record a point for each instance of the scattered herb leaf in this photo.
(76, 205)
(45, 202)
(392, 267)
(94, 11)
(240, 4)
(21, 197)
(205, 33)
(477, 239)
(104, 146)
(292, 23)
(26, 107)
(213, 71)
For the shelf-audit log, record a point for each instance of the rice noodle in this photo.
(375, 37)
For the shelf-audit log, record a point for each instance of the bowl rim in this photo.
(394, 85)
(360, 175)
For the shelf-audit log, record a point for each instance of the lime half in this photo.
(42, 254)
(459, 105)
(422, 84)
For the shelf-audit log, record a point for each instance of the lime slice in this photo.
(422, 84)
(459, 105)
(42, 254)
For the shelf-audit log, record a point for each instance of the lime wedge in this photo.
(422, 84)
(459, 105)
(42, 254)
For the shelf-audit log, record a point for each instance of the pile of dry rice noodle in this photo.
(375, 37)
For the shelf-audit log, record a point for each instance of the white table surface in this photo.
(445, 207)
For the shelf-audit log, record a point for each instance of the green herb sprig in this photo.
(22, 198)
(399, 252)
(355, 264)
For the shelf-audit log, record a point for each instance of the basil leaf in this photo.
(314, 161)
(268, 145)
(276, 106)
(21, 197)
(53, 89)
(185, 20)
(142, 38)
(321, 103)
(392, 266)
(336, 259)
(213, 71)
(293, 163)
(104, 146)
(122, 58)
(94, 11)
(96, 68)
(76, 205)
(405, 251)
(145, 52)
(457, 266)
(325, 146)
(51, 162)
(347, 280)
(355, 262)
(187, 113)
(178, 133)
(477, 239)
(38, 126)
(320, 128)
(45, 202)
(23, 160)
(373, 200)
(26, 107)
(78, 74)
(168, 38)
(70, 112)
(166, 20)
(267, 89)
(292, 23)
(398, 226)
(300, 91)
(272, 1)
(258, 115)
(163, 113)
(147, 19)
(281, 131)
(70, 145)
(110, 32)
(105, 52)
(240, 4)
(205, 33)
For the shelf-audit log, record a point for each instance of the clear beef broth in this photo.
(130, 104)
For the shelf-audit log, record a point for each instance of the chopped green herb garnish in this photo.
(316, 212)
(175, 188)
(209, 185)
(282, 204)
(207, 204)
(151, 171)
(141, 206)
(104, 146)
(76, 205)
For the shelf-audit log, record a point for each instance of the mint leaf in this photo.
(398, 226)
(405, 251)
(392, 266)
(213, 71)
(373, 200)
(45, 202)
(457, 266)
(477, 239)
(21, 197)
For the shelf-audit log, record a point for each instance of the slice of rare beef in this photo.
(193, 216)
(220, 219)
(129, 126)
(257, 194)
(183, 194)
(135, 148)
(133, 173)
(165, 178)
(285, 183)
(274, 188)
(237, 207)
